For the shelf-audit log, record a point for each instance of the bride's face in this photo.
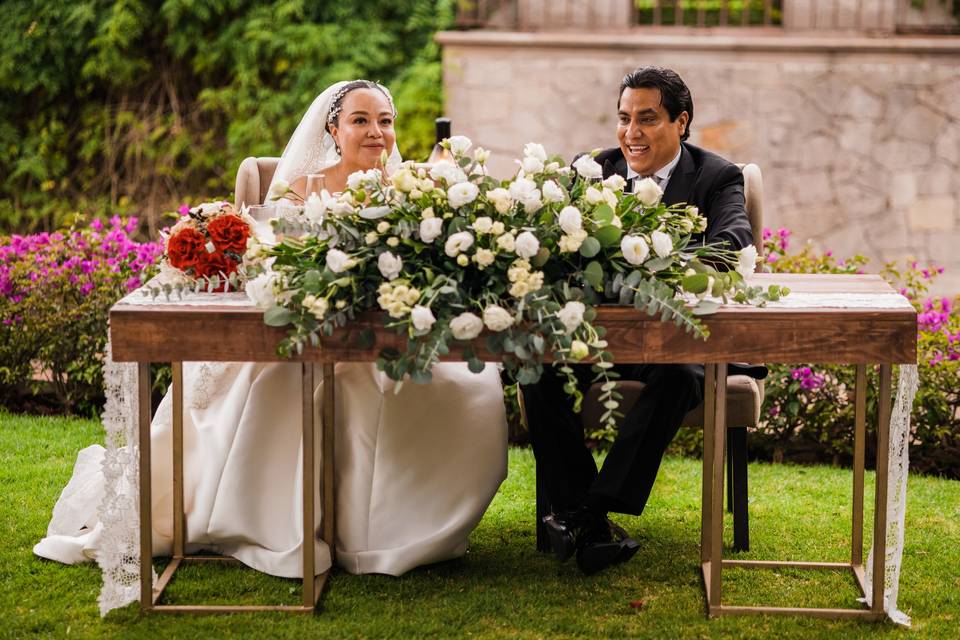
(365, 128)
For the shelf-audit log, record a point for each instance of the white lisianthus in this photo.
(426, 185)
(571, 315)
(278, 189)
(483, 224)
(341, 207)
(447, 172)
(533, 204)
(404, 180)
(662, 243)
(587, 167)
(497, 228)
(501, 199)
(261, 289)
(535, 150)
(527, 245)
(371, 237)
(506, 242)
(314, 208)
(457, 243)
(610, 198)
(393, 241)
(552, 192)
(427, 213)
(389, 265)
(481, 155)
(615, 221)
(649, 192)
(338, 261)
(364, 179)
(593, 195)
(459, 144)
(422, 318)
(635, 249)
(531, 166)
(430, 228)
(383, 226)
(496, 318)
(466, 326)
(484, 257)
(615, 182)
(525, 191)
(316, 306)
(462, 193)
(579, 350)
(747, 261)
(570, 219)
(463, 260)
(571, 242)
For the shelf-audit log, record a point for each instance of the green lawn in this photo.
(503, 587)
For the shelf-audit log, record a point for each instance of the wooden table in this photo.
(861, 333)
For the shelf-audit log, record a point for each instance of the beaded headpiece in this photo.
(336, 104)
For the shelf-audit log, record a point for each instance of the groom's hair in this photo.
(674, 94)
(337, 104)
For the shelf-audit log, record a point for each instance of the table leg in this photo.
(179, 524)
(309, 520)
(859, 431)
(719, 409)
(709, 388)
(329, 461)
(146, 521)
(885, 406)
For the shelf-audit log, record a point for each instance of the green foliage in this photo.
(107, 106)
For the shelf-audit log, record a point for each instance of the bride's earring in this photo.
(336, 145)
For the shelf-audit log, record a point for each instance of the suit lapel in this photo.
(680, 187)
(615, 165)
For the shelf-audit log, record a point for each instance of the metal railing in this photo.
(885, 16)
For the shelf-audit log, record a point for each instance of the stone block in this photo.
(939, 179)
(932, 214)
(921, 123)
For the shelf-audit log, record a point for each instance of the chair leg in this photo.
(737, 497)
(543, 509)
(729, 470)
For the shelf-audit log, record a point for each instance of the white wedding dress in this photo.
(415, 470)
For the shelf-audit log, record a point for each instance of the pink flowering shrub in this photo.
(55, 292)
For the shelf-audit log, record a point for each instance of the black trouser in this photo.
(624, 481)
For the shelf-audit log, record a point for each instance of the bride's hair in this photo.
(336, 105)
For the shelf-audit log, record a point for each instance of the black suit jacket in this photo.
(703, 179)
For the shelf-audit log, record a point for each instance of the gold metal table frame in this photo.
(313, 585)
(711, 532)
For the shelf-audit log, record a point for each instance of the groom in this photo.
(654, 114)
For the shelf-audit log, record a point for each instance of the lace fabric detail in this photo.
(897, 469)
(119, 513)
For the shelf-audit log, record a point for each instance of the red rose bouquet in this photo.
(208, 243)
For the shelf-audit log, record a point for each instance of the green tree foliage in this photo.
(107, 106)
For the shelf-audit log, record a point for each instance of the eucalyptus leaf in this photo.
(705, 307)
(590, 247)
(277, 317)
(603, 214)
(374, 213)
(608, 236)
(594, 274)
(657, 264)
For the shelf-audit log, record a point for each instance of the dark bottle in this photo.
(443, 131)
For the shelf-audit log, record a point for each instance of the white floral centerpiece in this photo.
(449, 252)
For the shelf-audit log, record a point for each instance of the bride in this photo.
(415, 470)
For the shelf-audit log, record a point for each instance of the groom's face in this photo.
(648, 138)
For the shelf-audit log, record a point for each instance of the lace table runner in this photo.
(119, 557)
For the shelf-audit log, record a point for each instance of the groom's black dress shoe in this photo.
(598, 543)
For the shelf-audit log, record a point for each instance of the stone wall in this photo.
(858, 139)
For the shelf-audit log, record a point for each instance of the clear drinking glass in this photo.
(316, 183)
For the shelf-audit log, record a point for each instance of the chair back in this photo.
(753, 194)
(253, 180)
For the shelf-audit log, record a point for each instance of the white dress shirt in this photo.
(662, 175)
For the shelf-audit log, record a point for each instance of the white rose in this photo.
(570, 219)
(393, 241)
(587, 167)
(531, 166)
(497, 228)
(662, 243)
(571, 243)
(448, 172)
(459, 144)
(458, 242)
(496, 318)
(579, 350)
(430, 228)
(649, 192)
(483, 224)
(466, 326)
(535, 150)
(635, 249)
(500, 198)
(552, 192)
(371, 237)
(527, 245)
(594, 195)
(338, 261)
(389, 265)
(404, 181)
(278, 189)
(615, 182)
(747, 260)
(261, 289)
(314, 208)
(484, 257)
(422, 318)
(506, 242)
(571, 315)
(462, 193)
